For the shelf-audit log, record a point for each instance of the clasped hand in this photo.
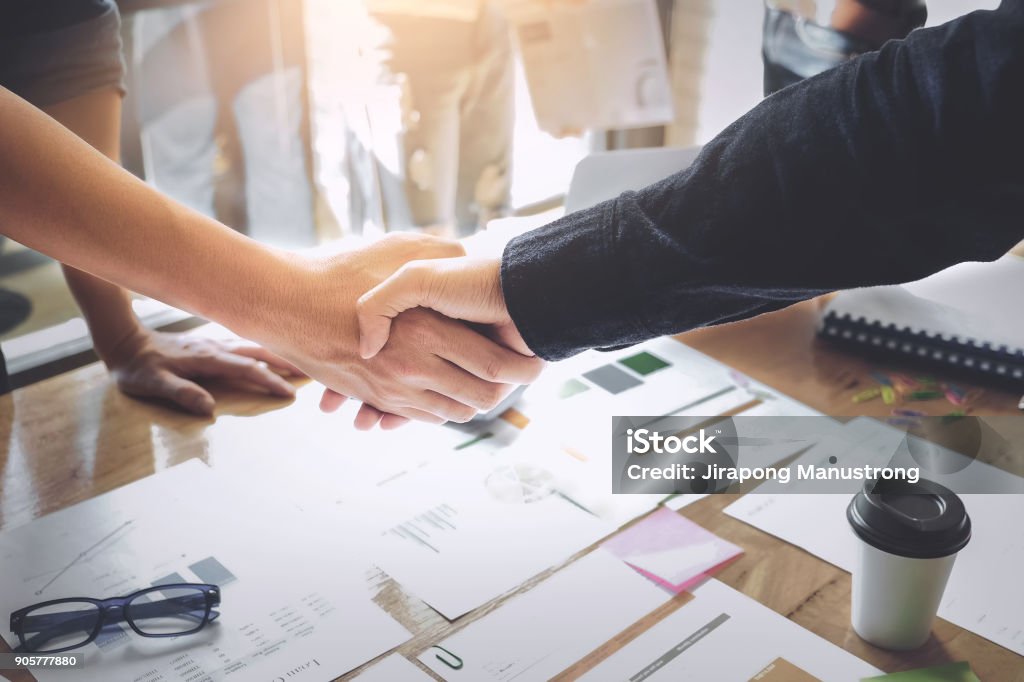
(418, 359)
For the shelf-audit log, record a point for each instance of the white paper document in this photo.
(460, 533)
(572, 407)
(394, 668)
(561, 426)
(291, 605)
(317, 460)
(984, 593)
(677, 502)
(539, 634)
(724, 635)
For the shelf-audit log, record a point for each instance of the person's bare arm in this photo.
(60, 197)
(143, 362)
(64, 199)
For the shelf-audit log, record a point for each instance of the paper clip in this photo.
(453, 661)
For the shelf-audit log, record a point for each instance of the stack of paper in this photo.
(288, 597)
(458, 534)
(458, 516)
(724, 635)
(596, 620)
(572, 407)
(538, 634)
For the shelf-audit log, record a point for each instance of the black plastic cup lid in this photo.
(923, 520)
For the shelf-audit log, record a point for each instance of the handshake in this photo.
(408, 325)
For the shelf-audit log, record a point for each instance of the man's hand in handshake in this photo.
(466, 289)
(461, 288)
(434, 369)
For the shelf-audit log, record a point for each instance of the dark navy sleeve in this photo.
(884, 170)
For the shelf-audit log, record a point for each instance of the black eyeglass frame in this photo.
(116, 610)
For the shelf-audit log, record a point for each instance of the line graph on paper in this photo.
(89, 551)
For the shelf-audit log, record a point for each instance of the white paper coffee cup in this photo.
(909, 538)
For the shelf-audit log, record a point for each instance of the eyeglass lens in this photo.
(59, 626)
(169, 611)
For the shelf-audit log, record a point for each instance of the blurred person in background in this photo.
(452, 64)
(218, 90)
(64, 56)
(795, 47)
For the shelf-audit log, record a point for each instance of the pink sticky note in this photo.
(671, 550)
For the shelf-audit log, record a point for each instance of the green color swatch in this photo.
(474, 440)
(571, 388)
(954, 672)
(644, 363)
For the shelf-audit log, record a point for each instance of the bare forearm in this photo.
(107, 309)
(63, 198)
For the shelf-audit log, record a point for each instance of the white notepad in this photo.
(966, 316)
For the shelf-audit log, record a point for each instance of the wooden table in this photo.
(75, 436)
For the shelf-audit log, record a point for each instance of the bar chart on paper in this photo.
(572, 408)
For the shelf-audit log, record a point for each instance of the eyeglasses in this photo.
(161, 611)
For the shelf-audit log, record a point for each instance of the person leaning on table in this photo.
(67, 200)
(883, 170)
(64, 56)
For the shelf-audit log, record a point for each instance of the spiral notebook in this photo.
(968, 318)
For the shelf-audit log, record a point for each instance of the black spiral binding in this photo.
(979, 361)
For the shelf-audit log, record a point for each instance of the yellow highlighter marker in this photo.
(867, 395)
